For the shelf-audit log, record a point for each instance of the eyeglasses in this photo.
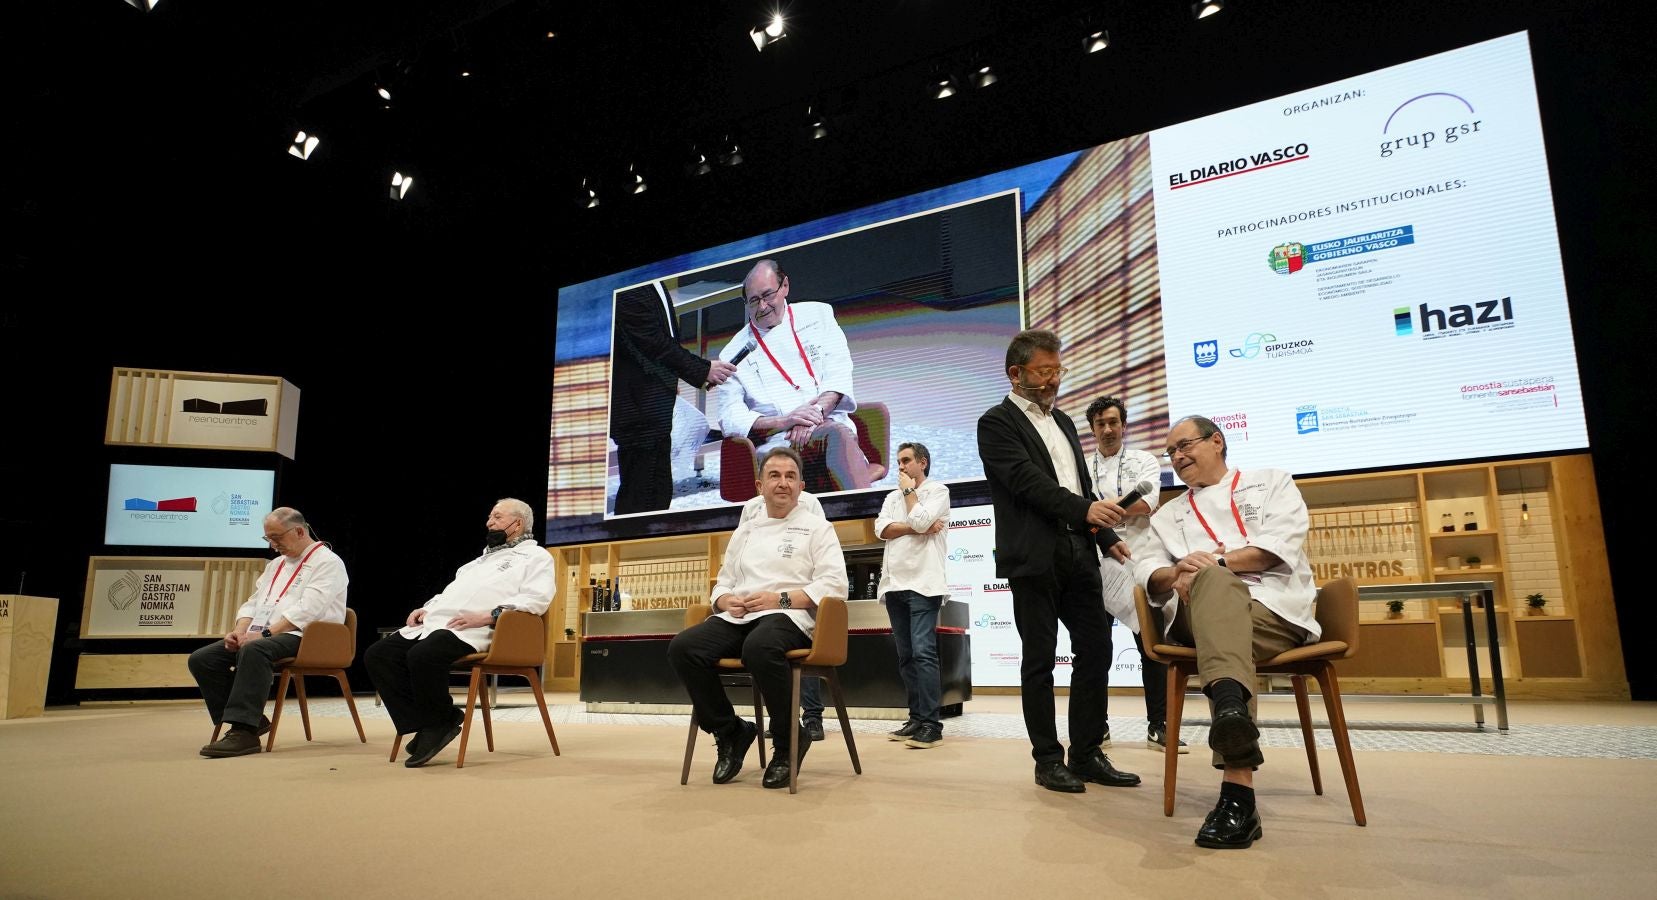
(764, 296)
(1184, 446)
(1046, 373)
(269, 539)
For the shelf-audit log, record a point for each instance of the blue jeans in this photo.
(915, 632)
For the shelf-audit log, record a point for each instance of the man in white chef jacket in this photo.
(776, 569)
(793, 387)
(1227, 564)
(305, 583)
(811, 686)
(410, 669)
(1117, 470)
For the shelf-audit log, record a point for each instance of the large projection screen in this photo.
(1357, 276)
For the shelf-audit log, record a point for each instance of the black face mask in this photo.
(495, 537)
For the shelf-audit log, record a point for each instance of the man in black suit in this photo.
(647, 362)
(1048, 528)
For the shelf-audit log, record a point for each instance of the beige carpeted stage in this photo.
(113, 801)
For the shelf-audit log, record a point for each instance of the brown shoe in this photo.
(238, 742)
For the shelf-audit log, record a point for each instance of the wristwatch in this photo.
(783, 602)
(1221, 561)
(495, 615)
(265, 632)
(908, 491)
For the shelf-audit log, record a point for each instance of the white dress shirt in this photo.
(915, 562)
(1058, 443)
(799, 551)
(1114, 476)
(1276, 519)
(759, 389)
(316, 593)
(519, 576)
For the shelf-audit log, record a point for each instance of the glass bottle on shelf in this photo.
(1469, 522)
(1446, 522)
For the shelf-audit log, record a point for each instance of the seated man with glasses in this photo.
(1227, 565)
(305, 583)
(793, 383)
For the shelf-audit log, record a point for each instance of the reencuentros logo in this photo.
(1207, 353)
(1265, 342)
(1453, 321)
(1306, 419)
(1286, 259)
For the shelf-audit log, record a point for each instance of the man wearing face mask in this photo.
(410, 669)
(1048, 528)
(305, 583)
(793, 387)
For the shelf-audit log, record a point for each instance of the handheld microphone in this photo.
(742, 354)
(1138, 493)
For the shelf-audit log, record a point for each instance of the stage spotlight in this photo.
(639, 186)
(817, 125)
(303, 144)
(400, 185)
(697, 163)
(984, 77)
(769, 33)
(384, 92)
(1096, 41)
(1205, 8)
(143, 5)
(731, 153)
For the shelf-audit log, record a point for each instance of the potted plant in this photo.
(1473, 562)
(1537, 603)
(1395, 609)
(569, 634)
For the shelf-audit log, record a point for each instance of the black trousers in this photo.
(646, 474)
(761, 645)
(1068, 593)
(236, 683)
(1155, 676)
(413, 678)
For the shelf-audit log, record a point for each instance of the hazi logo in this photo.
(1306, 419)
(1474, 318)
(1436, 107)
(1265, 159)
(1207, 353)
(1287, 259)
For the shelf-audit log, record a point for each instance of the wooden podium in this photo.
(27, 626)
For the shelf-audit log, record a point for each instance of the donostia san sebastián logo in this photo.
(1207, 353)
(1264, 342)
(1442, 109)
(1306, 419)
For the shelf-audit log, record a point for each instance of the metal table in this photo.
(1464, 592)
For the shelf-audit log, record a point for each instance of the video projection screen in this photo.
(188, 506)
(1355, 276)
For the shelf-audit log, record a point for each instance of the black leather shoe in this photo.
(812, 728)
(733, 749)
(238, 741)
(1228, 827)
(1055, 777)
(1233, 734)
(1096, 767)
(905, 733)
(431, 741)
(776, 773)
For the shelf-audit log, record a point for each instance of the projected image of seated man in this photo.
(793, 384)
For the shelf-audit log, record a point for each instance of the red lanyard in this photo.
(280, 565)
(797, 343)
(1234, 513)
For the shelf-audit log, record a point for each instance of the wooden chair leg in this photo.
(488, 720)
(794, 729)
(541, 701)
(304, 708)
(1170, 751)
(216, 729)
(759, 723)
(396, 744)
(1343, 741)
(345, 691)
(466, 723)
(833, 677)
(690, 748)
(275, 714)
(1305, 708)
